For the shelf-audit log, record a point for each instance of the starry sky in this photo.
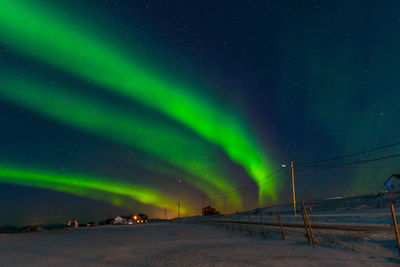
(117, 107)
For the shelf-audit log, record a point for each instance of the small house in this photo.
(120, 220)
(390, 182)
(208, 210)
(139, 218)
(72, 223)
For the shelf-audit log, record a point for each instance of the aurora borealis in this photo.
(157, 103)
(91, 58)
(83, 185)
(128, 130)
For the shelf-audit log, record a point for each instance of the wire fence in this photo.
(317, 221)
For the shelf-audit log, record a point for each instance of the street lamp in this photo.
(293, 191)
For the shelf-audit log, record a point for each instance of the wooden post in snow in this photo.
(240, 225)
(280, 221)
(312, 217)
(396, 230)
(305, 225)
(233, 228)
(308, 222)
(250, 231)
(262, 222)
(226, 223)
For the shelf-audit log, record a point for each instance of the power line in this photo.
(306, 166)
(356, 166)
(351, 162)
(240, 188)
(349, 155)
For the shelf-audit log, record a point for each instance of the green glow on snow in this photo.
(30, 28)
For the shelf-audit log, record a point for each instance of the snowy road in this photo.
(188, 245)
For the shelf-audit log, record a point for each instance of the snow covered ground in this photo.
(162, 244)
(368, 209)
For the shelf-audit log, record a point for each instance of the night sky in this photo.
(118, 107)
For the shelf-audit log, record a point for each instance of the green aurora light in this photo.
(90, 187)
(156, 138)
(30, 28)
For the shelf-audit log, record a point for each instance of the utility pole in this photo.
(165, 215)
(179, 210)
(294, 195)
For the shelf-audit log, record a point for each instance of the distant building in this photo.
(131, 219)
(209, 211)
(120, 220)
(139, 218)
(390, 183)
(72, 223)
(92, 224)
(34, 228)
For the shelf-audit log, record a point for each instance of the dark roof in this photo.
(393, 175)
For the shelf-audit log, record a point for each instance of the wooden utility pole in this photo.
(294, 195)
(179, 210)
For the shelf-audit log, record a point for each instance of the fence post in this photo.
(233, 227)
(312, 216)
(226, 223)
(308, 223)
(240, 225)
(262, 222)
(396, 230)
(250, 231)
(272, 215)
(305, 225)
(280, 221)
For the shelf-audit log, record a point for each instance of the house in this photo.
(390, 183)
(72, 223)
(209, 211)
(120, 220)
(139, 218)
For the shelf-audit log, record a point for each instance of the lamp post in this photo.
(293, 190)
(294, 195)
